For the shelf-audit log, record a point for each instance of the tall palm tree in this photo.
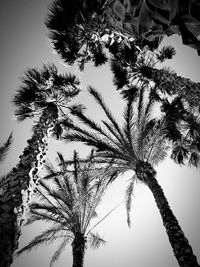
(43, 95)
(67, 198)
(8, 230)
(81, 31)
(138, 144)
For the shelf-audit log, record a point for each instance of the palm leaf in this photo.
(4, 148)
(45, 238)
(95, 240)
(59, 250)
(128, 196)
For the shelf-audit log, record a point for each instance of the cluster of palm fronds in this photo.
(67, 197)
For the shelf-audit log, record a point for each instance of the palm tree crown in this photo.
(139, 138)
(138, 144)
(44, 89)
(69, 203)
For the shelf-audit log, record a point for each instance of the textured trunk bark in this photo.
(9, 234)
(181, 247)
(16, 189)
(184, 87)
(78, 250)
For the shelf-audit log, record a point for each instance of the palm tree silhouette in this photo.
(67, 197)
(43, 95)
(178, 97)
(73, 30)
(138, 144)
(81, 32)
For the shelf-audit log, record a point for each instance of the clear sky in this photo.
(24, 43)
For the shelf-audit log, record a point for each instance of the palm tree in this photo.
(138, 144)
(129, 67)
(43, 95)
(80, 31)
(181, 113)
(8, 230)
(67, 198)
(73, 28)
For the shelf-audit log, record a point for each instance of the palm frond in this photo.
(100, 101)
(95, 240)
(88, 122)
(179, 153)
(167, 52)
(194, 159)
(120, 73)
(42, 89)
(4, 148)
(128, 198)
(59, 250)
(45, 238)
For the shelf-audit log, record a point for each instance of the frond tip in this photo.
(4, 148)
(95, 240)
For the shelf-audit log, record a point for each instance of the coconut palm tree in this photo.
(43, 95)
(67, 198)
(138, 144)
(8, 230)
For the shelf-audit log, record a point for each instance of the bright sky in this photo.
(24, 44)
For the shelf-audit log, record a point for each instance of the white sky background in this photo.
(24, 44)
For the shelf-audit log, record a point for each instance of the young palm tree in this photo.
(69, 204)
(139, 144)
(8, 229)
(43, 95)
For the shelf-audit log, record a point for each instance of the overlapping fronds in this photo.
(139, 138)
(95, 240)
(67, 198)
(45, 238)
(72, 29)
(44, 89)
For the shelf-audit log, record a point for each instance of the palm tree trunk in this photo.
(17, 187)
(78, 250)
(184, 87)
(9, 234)
(181, 247)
